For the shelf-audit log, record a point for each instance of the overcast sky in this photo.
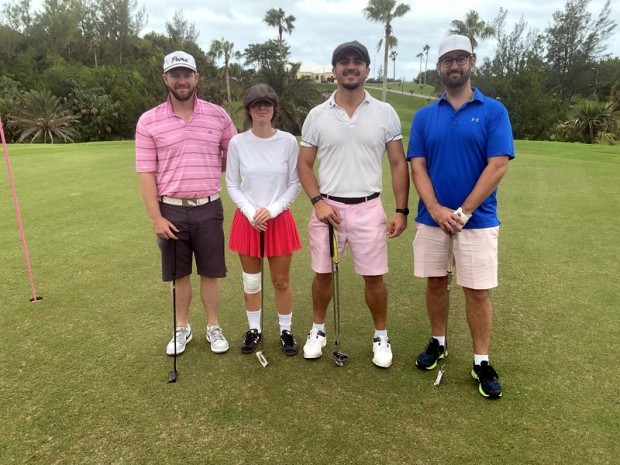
(323, 24)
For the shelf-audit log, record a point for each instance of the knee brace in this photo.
(251, 282)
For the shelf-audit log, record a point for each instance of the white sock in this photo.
(254, 319)
(441, 339)
(478, 359)
(285, 321)
(319, 327)
(380, 332)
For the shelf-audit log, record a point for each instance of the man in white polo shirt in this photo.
(180, 154)
(348, 135)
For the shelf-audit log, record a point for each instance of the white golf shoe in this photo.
(382, 351)
(314, 344)
(183, 336)
(216, 338)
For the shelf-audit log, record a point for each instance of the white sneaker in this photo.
(315, 342)
(218, 342)
(183, 336)
(382, 351)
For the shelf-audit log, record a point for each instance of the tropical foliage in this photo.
(277, 18)
(95, 70)
(224, 49)
(40, 117)
(473, 28)
(591, 122)
(295, 96)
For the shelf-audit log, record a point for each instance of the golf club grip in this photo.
(450, 254)
(331, 240)
(262, 244)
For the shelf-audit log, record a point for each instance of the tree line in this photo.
(80, 70)
(558, 84)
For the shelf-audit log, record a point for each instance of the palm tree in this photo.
(425, 49)
(219, 49)
(40, 117)
(384, 11)
(276, 18)
(420, 56)
(393, 55)
(472, 27)
(295, 96)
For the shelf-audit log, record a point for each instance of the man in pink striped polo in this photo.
(180, 154)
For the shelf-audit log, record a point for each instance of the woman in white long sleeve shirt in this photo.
(261, 178)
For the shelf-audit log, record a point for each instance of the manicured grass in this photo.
(83, 373)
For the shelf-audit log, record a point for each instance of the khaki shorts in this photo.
(474, 252)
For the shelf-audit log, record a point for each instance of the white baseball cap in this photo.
(179, 60)
(453, 43)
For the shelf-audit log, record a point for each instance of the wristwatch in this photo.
(404, 211)
(316, 199)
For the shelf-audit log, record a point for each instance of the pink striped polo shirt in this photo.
(186, 157)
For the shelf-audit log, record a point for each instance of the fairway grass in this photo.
(83, 372)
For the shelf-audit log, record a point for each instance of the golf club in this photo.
(442, 368)
(259, 354)
(172, 376)
(338, 356)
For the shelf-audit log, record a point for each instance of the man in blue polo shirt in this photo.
(459, 150)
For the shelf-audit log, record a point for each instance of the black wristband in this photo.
(316, 199)
(404, 211)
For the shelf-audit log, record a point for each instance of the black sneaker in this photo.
(488, 380)
(289, 346)
(427, 360)
(250, 339)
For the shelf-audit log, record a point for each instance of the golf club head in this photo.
(261, 358)
(440, 373)
(339, 358)
(172, 376)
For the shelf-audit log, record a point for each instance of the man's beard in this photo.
(352, 85)
(448, 81)
(182, 98)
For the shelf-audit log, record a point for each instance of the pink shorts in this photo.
(281, 236)
(363, 227)
(474, 252)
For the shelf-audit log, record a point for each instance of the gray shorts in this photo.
(201, 236)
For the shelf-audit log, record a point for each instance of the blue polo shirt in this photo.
(456, 145)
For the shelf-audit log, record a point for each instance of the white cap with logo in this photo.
(455, 43)
(179, 59)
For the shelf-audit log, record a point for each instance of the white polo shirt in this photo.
(350, 149)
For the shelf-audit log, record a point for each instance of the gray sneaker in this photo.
(183, 336)
(216, 338)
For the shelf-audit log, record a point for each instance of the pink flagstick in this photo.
(34, 298)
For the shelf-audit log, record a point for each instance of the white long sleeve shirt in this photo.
(262, 172)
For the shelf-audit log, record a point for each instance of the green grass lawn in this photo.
(83, 372)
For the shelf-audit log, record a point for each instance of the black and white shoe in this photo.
(289, 346)
(250, 340)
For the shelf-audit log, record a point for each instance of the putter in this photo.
(260, 355)
(172, 376)
(338, 356)
(442, 368)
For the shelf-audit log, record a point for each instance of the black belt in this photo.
(351, 200)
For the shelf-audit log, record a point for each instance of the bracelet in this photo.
(316, 199)
(404, 211)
